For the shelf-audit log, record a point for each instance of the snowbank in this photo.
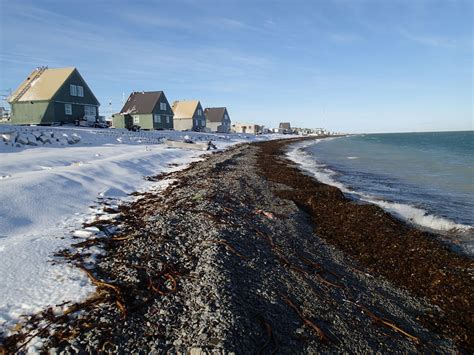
(51, 180)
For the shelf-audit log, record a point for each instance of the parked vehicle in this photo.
(92, 121)
(134, 128)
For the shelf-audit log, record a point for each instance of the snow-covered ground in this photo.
(48, 190)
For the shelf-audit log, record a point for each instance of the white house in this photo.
(217, 119)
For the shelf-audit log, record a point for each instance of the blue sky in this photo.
(351, 66)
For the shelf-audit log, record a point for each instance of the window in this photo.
(136, 119)
(80, 91)
(68, 109)
(196, 122)
(167, 119)
(199, 112)
(157, 118)
(90, 111)
(73, 90)
(163, 106)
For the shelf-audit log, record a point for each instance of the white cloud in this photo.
(430, 40)
(62, 39)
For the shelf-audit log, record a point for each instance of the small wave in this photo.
(419, 216)
(307, 163)
(352, 158)
(406, 212)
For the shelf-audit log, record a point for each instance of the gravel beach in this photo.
(235, 255)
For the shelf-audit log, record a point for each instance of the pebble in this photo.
(224, 290)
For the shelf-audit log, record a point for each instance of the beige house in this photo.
(188, 116)
(247, 128)
(217, 119)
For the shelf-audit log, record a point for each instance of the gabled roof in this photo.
(185, 108)
(215, 114)
(141, 102)
(42, 84)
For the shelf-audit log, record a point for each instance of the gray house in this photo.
(147, 109)
(217, 119)
(50, 96)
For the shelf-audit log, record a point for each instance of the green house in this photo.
(147, 109)
(49, 96)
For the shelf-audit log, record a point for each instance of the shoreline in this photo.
(448, 231)
(229, 248)
(404, 254)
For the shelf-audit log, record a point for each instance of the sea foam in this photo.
(408, 213)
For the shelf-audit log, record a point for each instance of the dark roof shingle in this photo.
(141, 102)
(214, 114)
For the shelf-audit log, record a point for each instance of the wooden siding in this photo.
(201, 119)
(64, 94)
(122, 121)
(145, 121)
(163, 113)
(163, 124)
(183, 124)
(34, 112)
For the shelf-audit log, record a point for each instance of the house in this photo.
(188, 115)
(284, 128)
(217, 119)
(3, 113)
(247, 128)
(48, 96)
(147, 109)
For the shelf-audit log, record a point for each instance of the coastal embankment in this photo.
(243, 253)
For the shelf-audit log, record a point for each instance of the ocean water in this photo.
(424, 178)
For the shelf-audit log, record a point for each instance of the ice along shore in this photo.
(244, 253)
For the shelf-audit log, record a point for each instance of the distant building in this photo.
(309, 131)
(321, 132)
(3, 112)
(284, 128)
(302, 131)
(147, 109)
(50, 96)
(217, 119)
(247, 128)
(188, 115)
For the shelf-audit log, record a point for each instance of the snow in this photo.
(47, 190)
